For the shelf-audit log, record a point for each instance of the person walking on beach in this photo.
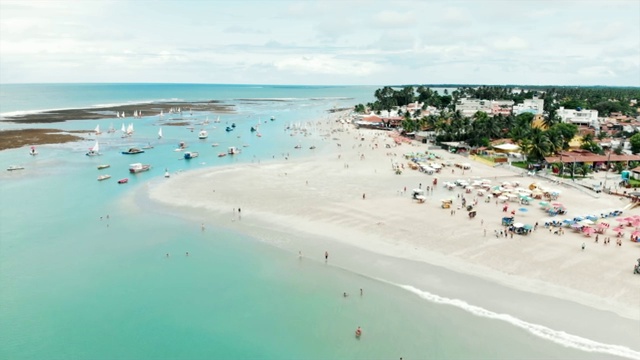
(240, 214)
(583, 245)
(326, 256)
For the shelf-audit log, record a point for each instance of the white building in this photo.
(468, 107)
(534, 106)
(579, 116)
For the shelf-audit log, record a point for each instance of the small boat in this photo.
(95, 150)
(190, 155)
(273, 118)
(298, 146)
(217, 120)
(133, 151)
(312, 147)
(104, 177)
(259, 135)
(222, 154)
(148, 146)
(203, 134)
(215, 144)
(123, 181)
(160, 133)
(166, 173)
(358, 332)
(138, 167)
(233, 150)
(253, 129)
(104, 166)
(228, 129)
(233, 125)
(33, 151)
(15, 167)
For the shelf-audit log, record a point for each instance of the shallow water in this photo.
(76, 285)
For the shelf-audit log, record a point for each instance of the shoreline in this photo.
(319, 197)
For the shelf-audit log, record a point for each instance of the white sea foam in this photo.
(559, 337)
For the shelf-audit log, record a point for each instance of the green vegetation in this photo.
(479, 130)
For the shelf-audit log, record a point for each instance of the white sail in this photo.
(130, 129)
(117, 114)
(96, 148)
(161, 113)
(97, 130)
(123, 129)
(123, 114)
(160, 133)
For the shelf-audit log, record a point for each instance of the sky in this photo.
(327, 42)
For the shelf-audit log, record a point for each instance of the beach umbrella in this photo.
(503, 197)
(621, 220)
(586, 222)
(618, 229)
(544, 203)
(592, 217)
(588, 230)
(576, 226)
(528, 227)
(557, 204)
(635, 233)
(518, 225)
(603, 225)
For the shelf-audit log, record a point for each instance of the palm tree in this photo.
(537, 145)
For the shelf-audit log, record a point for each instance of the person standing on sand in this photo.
(239, 214)
(326, 256)
(583, 245)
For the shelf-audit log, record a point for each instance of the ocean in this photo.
(93, 270)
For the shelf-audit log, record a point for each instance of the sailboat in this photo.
(95, 150)
(160, 133)
(33, 151)
(111, 129)
(97, 130)
(161, 113)
(217, 120)
(123, 114)
(130, 129)
(123, 129)
(117, 114)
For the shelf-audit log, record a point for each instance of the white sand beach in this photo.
(345, 192)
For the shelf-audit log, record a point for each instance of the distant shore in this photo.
(109, 112)
(17, 138)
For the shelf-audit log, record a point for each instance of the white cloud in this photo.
(349, 41)
(510, 43)
(394, 19)
(326, 65)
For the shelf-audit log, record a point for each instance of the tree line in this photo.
(536, 140)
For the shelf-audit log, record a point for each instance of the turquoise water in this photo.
(76, 285)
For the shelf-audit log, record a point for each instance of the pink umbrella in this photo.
(618, 229)
(635, 233)
(603, 225)
(588, 230)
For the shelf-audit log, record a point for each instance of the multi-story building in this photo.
(501, 107)
(579, 116)
(468, 107)
(534, 106)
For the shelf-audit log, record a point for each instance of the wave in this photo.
(558, 337)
